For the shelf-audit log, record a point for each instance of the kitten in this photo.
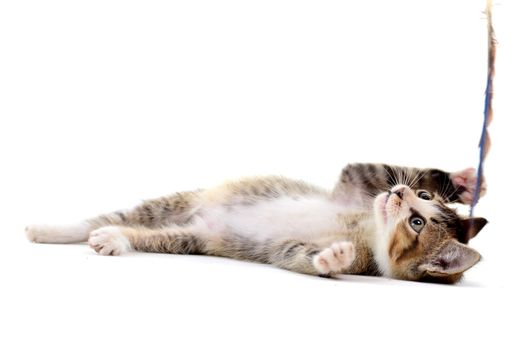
(379, 220)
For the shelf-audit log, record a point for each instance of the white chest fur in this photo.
(275, 218)
(381, 256)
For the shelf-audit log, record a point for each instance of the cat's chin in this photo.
(386, 212)
(380, 208)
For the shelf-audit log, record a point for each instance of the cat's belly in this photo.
(275, 218)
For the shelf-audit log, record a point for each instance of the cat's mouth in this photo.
(387, 207)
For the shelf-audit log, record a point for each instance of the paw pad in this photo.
(109, 240)
(335, 258)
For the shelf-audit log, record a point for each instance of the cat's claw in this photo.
(335, 258)
(467, 180)
(109, 240)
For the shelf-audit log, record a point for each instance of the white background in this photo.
(105, 103)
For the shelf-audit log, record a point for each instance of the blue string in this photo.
(482, 143)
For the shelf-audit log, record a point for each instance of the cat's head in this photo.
(424, 239)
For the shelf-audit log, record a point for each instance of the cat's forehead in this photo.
(425, 209)
(445, 214)
(431, 209)
(445, 210)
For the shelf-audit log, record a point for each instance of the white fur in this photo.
(381, 255)
(286, 216)
(382, 235)
(58, 233)
(387, 215)
(109, 240)
(335, 258)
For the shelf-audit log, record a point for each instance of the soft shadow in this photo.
(372, 280)
(388, 281)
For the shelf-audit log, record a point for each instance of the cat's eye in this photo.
(422, 194)
(417, 223)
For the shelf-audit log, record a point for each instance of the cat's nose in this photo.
(399, 192)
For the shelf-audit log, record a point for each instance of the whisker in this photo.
(391, 180)
(444, 188)
(417, 178)
(409, 173)
(410, 176)
(399, 176)
(457, 187)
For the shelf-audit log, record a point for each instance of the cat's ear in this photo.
(454, 258)
(470, 228)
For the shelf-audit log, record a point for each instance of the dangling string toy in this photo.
(485, 144)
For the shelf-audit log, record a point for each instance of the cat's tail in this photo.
(74, 233)
(178, 208)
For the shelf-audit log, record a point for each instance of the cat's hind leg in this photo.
(117, 240)
(74, 233)
(178, 208)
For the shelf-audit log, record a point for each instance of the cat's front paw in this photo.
(467, 180)
(335, 258)
(109, 240)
